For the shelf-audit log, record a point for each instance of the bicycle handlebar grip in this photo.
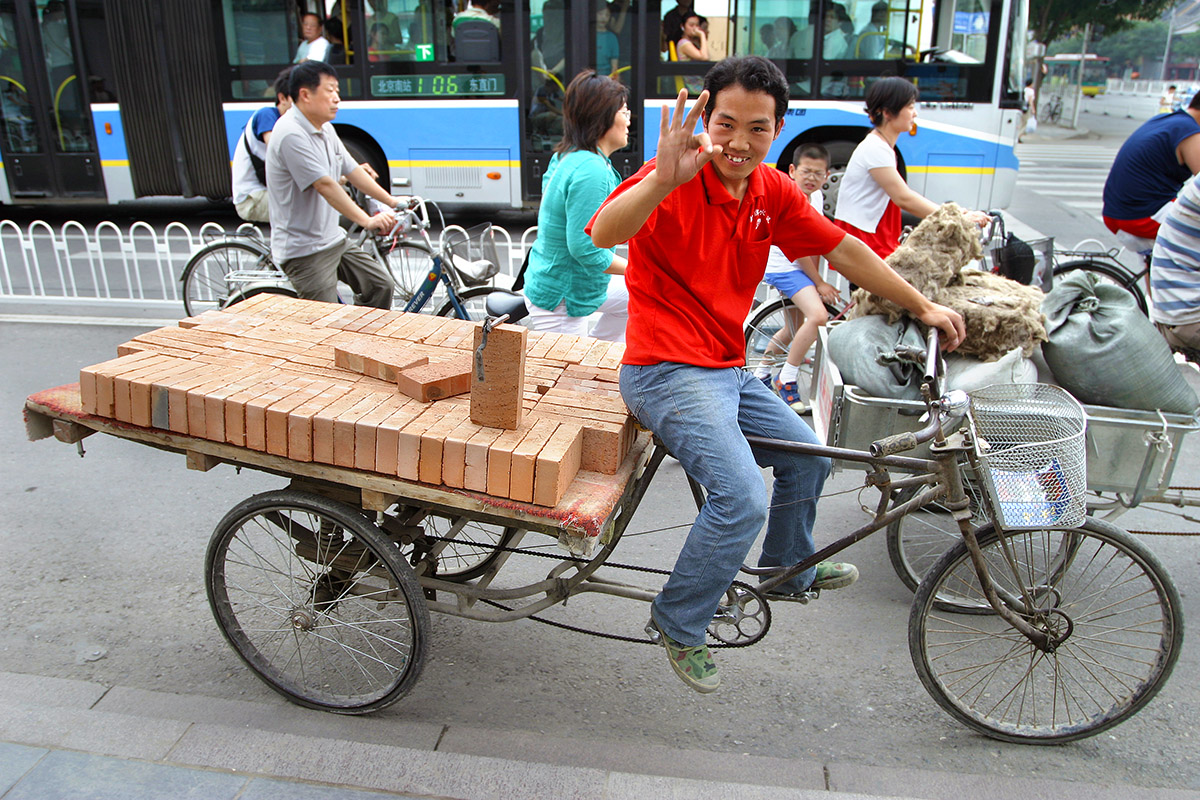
(890, 445)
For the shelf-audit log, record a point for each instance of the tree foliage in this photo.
(1052, 19)
(1133, 46)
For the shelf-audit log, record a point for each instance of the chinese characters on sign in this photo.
(437, 85)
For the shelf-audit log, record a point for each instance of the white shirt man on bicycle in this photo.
(305, 159)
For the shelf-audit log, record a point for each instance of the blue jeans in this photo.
(703, 416)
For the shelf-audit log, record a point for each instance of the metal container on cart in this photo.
(1130, 452)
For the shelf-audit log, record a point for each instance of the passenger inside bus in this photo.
(766, 35)
(314, 45)
(608, 48)
(791, 41)
(337, 42)
(389, 37)
(672, 23)
(837, 41)
(550, 39)
(691, 41)
(872, 38)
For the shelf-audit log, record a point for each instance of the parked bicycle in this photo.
(451, 277)
(1051, 110)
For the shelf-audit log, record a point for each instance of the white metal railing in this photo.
(139, 262)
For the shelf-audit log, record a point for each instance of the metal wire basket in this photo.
(1029, 440)
(475, 256)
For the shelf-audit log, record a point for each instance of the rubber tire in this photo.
(1110, 274)
(362, 153)
(200, 287)
(266, 629)
(474, 302)
(762, 325)
(409, 263)
(1095, 548)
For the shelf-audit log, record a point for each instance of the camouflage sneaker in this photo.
(830, 575)
(834, 575)
(693, 665)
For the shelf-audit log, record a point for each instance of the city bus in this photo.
(112, 100)
(1062, 70)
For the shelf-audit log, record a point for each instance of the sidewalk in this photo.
(1047, 133)
(73, 739)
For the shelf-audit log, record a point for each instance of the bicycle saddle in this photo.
(501, 302)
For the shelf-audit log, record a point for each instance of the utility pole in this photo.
(1087, 38)
(1167, 49)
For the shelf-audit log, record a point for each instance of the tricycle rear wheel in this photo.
(317, 601)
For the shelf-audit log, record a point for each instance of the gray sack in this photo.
(864, 350)
(1105, 352)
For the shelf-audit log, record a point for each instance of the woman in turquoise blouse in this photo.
(568, 277)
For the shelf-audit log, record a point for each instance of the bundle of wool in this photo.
(1000, 314)
(929, 259)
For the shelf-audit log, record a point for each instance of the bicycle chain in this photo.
(601, 634)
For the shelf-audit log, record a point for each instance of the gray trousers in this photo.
(1185, 336)
(315, 276)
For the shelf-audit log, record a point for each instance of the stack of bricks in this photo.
(264, 375)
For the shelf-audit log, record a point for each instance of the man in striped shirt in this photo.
(1175, 272)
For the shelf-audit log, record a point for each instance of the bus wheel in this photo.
(364, 153)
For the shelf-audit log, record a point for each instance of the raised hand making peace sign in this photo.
(681, 153)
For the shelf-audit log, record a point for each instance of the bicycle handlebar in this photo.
(900, 442)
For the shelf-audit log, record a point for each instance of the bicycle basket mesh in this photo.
(475, 256)
(1029, 438)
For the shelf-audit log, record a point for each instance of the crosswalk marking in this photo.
(1072, 174)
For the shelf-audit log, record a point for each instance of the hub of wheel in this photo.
(1057, 626)
(302, 620)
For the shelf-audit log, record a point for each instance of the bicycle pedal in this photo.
(652, 632)
(799, 597)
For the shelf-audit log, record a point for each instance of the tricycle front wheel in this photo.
(1112, 612)
(317, 601)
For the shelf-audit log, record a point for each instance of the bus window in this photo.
(16, 111)
(428, 32)
(72, 126)
(782, 30)
(547, 60)
(264, 33)
(969, 31)
(476, 32)
(385, 39)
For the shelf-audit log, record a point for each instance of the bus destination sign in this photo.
(437, 85)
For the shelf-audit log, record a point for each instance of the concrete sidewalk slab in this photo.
(282, 717)
(649, 759)
(62, 738)
(884, 781)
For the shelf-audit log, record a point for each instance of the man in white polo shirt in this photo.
(305, 159)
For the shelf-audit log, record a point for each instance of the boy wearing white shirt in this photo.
(800, 281)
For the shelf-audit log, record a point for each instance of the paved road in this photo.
(103, 560)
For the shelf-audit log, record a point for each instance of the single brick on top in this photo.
(498, 379)
(437, 379)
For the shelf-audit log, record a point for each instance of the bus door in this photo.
(46, 136)
(563, 39)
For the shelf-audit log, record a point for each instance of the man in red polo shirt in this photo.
(699, 220)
